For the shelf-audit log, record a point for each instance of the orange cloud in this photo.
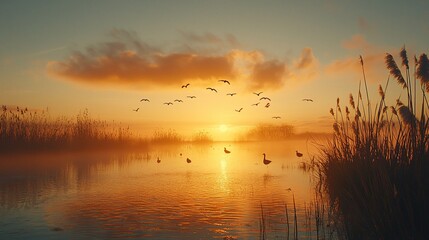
(128, 61)
(268, 74)
(373, 61)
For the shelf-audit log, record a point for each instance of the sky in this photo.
(105, 56)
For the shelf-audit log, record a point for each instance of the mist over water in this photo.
(130, 195)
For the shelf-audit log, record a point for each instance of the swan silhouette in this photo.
(225, 81)
(266, 161)
(226, 151)
(257, 94)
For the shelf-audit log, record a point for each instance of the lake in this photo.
(129, 195)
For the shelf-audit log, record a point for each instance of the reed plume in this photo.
(423, 71)
(404, 57)
(394, 70)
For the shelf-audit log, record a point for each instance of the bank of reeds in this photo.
(270, 132)
(376, 168)
(24, 130)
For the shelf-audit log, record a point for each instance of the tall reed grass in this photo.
(376, 168)
(270, 132)
(24, 130)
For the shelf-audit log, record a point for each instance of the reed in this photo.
(376, 165)
(270, 132)
(25, 130)
(167, 137)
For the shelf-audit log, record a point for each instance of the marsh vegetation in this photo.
(376, 166)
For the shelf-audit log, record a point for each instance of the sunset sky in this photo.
(105, 56)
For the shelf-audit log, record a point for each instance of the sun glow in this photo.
(223, 128)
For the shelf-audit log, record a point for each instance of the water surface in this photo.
(130, 195)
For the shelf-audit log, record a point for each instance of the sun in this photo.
(223, 128)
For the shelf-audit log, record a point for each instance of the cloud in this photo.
(373, 57)
(268, 74)
(210, 38)
(130, 62)
(357, 42)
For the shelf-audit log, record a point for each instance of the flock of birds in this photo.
(265, 160)
(262, 98)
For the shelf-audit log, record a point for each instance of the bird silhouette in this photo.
(276, 117)
(158, 160)
(225, 150)
(136, 110)
(144, 100)
(190, 96)
(231, 94)
(168, 103)
(298, 154)
(256, 104)
(225, 81)
(178, 100)
(266, 98)
(266, 161)
(257, 94)
(188, 160)
(267, 105)
(212, 89)
(307, 99)
(186, 85)
(239, 110)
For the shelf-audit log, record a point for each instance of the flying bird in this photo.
(158, 160)
(188, 160)
(231, 94)
(257, 94)
(144, 100)
(225, 81)
(178, 100)
(307, 99)
(267, 105)
(256, 104)
(262, 98)
(136, 110)
(190, 96)
(239, 110)
(168, 103)
(298, 154)
(276, 117)
(186, 85)
(266, 161)
(212, 89)
(225, 150)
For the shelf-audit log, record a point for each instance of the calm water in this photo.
(130, 195)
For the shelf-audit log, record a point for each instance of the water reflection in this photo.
(130, 195)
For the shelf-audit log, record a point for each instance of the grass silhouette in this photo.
(376, 167)
(24, 130)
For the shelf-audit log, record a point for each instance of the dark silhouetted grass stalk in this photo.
(376, 168)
